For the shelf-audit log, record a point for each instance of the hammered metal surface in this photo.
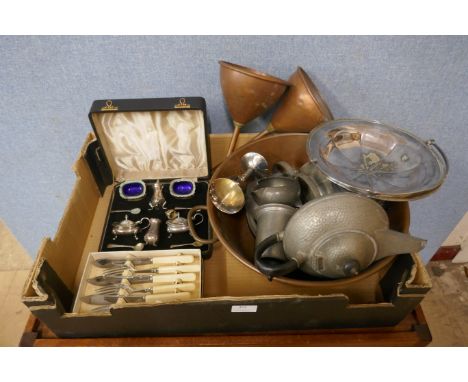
(327, 215)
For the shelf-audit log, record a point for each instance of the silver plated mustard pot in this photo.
(127, 227)
(178, 224)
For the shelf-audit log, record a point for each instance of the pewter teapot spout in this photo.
(391, 242)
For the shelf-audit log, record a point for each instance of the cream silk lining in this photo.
(156, 144)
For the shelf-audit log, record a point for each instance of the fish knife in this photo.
(163, 269)
(108, 299)
(112, 263)
(138, 278)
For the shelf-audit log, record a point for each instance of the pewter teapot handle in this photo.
(272, 268)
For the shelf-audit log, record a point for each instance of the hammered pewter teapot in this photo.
(335, 236)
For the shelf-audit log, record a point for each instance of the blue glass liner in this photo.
(132, 190)
(182, 188)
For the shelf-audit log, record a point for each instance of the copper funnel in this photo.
(301, 109)
(248, 94)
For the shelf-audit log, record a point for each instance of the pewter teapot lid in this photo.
(377, 160)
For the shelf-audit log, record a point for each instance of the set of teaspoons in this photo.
(162, 278)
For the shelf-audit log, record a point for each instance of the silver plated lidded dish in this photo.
(377, 160)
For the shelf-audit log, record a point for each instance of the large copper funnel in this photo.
(248, 94)
(301, 109)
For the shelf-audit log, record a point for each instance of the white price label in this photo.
(244, 309)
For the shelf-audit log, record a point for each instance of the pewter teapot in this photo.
(335, 236)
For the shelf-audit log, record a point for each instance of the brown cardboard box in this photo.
(235, 299)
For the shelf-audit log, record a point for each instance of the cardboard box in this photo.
(235, 299)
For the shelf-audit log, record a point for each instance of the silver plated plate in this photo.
(377, 160)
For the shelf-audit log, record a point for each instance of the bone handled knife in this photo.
(143, 278)
(163, 288)
(112, 263)
(103, 299)
(149, 288)
(171, 269)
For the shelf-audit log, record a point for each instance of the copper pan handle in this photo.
(191, 226)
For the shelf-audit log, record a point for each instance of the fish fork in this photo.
(158, 270)
(154, 289)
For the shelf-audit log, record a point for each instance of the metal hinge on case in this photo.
(96, 151)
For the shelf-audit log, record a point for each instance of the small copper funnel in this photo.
(248, 94)
(301, 109)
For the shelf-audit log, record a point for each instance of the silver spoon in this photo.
(194, 244)
(138, 247)
(133, 211)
